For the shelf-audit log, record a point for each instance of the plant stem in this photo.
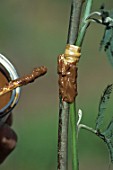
(78, 41)
(87, 128)
(64, 106)
(76, 7)
(84, 24)
(73, 120)
(63, 135)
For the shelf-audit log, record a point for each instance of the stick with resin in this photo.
(37, 72)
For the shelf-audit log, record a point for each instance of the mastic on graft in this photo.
(67, 80)
(67, 71)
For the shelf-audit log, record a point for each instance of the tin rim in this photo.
(12, 73)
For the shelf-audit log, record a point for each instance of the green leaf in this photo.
(108, 133)
(109, 143)
(107, 40)
(102, 106)
(108, 138)
(110, 148)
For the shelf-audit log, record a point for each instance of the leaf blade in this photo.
(102, 106)
(108, 138)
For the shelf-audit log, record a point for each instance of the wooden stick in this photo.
(37, 72)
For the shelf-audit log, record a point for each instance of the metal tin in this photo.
(11, 74)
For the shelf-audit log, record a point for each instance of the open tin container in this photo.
(9, 100)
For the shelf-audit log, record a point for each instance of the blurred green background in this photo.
(33, 33)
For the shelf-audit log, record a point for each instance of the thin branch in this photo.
(63, 136)
(85, 24)
(37, 72)
(87, 128)
(76, 8)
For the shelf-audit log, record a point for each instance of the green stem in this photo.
(87, 128)
(75, 164)
(73, 120)
(76, 8)
(84, 24)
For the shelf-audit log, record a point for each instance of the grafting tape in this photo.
(72, 53)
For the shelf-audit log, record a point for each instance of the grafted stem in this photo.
(76, 7)
(73, 115)
(73, 33)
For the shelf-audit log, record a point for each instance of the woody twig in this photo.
(37, 72)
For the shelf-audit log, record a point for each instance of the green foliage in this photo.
(107, 44)
(107, 136)
(108, 133)
(107, 40)
(102, 106)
